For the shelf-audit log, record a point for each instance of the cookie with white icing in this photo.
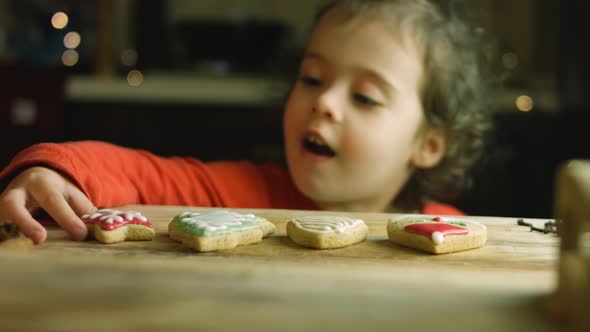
(326, 232)
(111, 226)
(218, 230)
(437, 235)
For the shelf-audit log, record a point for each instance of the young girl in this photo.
(387, 114)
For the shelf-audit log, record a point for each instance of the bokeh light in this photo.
(72, 40)
(70, 58)
(59, 20)
(510, 60)
(135, 78)
(524, 103)
(129, 57)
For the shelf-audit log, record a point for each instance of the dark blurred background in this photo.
(205, 78)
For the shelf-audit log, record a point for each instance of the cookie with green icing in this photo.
(218, 230)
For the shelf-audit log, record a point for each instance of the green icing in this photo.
(414, 221)
(216, 223)
(458, 223)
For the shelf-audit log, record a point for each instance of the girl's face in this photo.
(352, 121)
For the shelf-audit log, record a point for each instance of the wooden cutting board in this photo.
(371, 286)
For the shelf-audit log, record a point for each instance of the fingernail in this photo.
(79, 234)
(36, 236)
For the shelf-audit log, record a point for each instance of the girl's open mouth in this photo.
(316, 145)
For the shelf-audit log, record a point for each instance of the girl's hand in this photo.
(43, 188)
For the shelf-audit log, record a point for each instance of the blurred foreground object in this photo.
(572, 210)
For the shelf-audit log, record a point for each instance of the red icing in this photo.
(116, 224)
(429, 228)
(437, 219)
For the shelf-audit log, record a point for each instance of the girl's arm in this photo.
(70, 179)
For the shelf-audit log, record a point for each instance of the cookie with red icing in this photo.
(111, 226)
(437, 235)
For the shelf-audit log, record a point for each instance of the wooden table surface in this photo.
(275, 285)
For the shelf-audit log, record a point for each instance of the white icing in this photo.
(111, 216)
(438, 237)
(326, 224)
(217, 220)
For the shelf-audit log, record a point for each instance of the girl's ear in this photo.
(429, 148)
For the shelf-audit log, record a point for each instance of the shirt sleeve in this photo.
(441, 209)
(112, 175)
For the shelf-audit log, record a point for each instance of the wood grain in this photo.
(371, 286)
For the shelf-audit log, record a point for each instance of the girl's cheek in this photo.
(369, 142)
(299, 99)
(294, 116)
(356, 145)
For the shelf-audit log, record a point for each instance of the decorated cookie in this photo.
(11, 238)
(437, 235)
(218, 230)
(326, 232)
(111, 226)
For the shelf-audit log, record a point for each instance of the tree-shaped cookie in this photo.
(218, 230)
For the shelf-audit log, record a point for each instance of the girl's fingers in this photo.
(55, 204)
(46, 189)
(12, 209)
(79, 202)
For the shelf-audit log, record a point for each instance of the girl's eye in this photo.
(311, 81)
(364, 100)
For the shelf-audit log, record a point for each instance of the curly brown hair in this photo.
(456, 89)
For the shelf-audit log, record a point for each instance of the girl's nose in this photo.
(327, 105)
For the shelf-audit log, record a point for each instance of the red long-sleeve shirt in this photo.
(111, 175)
